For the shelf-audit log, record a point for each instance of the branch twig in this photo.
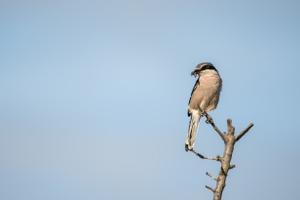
(211, 176)
(244, 132)
(210, 121)
(209, 188)
(232, 166)
(218, 158)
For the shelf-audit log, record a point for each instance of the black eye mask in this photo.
(208, 67)
(198, 70)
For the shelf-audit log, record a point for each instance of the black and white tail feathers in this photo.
(192, 131)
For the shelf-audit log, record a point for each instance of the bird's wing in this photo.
(194, 88)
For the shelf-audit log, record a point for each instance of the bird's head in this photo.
(201, 67)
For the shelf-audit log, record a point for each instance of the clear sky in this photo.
(93, 98)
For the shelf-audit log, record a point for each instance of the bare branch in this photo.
(232, 166)
(225, 160)
(230, 127)
(210, 121)
(218, 158)
(211, 176)
(244, 132)
(209, 188)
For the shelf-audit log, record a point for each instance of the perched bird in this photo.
(204, 98)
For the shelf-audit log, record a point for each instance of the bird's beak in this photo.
(194, 73)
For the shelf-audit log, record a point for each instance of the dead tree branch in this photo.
(217, 158)
(229, 140)
(211, 176)
(244, 132)
(210, 121)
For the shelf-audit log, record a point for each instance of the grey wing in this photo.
(194, 88)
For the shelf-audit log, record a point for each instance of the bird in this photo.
(204, 98)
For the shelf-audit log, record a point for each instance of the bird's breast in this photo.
(208, 80)
(209, 87)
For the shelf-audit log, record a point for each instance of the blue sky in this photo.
(94, 96)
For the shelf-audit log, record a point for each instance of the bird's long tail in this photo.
(192, 132)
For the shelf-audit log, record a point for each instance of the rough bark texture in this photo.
(229, 140)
